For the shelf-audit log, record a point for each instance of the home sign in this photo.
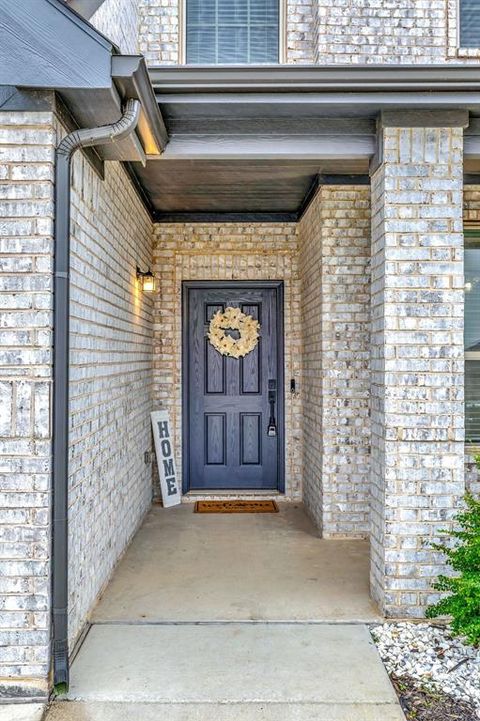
(162, 435)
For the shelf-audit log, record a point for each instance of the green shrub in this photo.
(463, 603)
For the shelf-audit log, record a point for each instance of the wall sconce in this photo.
(146, 280)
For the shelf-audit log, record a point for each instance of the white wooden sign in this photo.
(162, 436)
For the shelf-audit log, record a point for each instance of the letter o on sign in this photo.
(166, 448)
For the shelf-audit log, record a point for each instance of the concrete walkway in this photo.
(230, 671)
(232, 618)
(185, 566)
(21, 712)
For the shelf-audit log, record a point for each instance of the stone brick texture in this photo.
(334, 237)
(110, 485)
(223, 252)
(119, 21)
(381, 31)
(417, 360)
(27, 142)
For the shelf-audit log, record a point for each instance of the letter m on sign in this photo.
(165, 450)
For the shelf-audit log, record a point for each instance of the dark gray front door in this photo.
(230, 440)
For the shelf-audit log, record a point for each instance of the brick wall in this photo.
(417, 359)
(159, 31)
(225, 252)
(310, 266)
(390, 31)
(334, 268)
(300, 31)
(118, 20)
(27, 142)
(110, 378)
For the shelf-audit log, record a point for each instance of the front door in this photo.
(233, 407)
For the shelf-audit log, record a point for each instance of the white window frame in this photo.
(182, 33)
(471, 355)
(454, 49)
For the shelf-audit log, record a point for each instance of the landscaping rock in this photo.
(427, 658)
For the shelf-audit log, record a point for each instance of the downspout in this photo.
(63, 158)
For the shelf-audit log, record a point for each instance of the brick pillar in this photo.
(27, 144)
(416, 353)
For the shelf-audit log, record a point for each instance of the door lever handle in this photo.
(272, 396)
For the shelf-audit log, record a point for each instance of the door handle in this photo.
(272, 397)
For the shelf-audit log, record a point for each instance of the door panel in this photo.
(227, 401)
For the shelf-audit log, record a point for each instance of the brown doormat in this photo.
(236, 507)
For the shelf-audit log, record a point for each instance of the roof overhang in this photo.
(45, 45)
(258, 139)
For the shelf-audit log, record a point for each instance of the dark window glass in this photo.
(472, 339)
(232, 32)
(470, 23)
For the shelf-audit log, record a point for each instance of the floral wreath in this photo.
(233, 319)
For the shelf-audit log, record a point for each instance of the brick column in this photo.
(27, 143)
(416, 353)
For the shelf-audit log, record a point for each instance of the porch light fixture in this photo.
(146, 280)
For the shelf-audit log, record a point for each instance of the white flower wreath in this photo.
(233, 319)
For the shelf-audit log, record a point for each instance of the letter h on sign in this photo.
(165, 458)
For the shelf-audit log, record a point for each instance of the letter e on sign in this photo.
(164, 450)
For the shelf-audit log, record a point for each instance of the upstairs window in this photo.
(232, 32)
(470, 23)
(472, 336)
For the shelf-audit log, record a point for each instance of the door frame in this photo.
(278, 285)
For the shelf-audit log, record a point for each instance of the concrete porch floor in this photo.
(232, 618)
(185, 566)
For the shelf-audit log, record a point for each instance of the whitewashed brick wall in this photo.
(300, 31)
(384, 31)
(159, 31)
(118, 20)
(417, 359)
(27, 142)
(110, 379)
(334, 268)
(221, 252)
(310, 267)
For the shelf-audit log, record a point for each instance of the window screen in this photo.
(472, 339)
(229, 32)
(470, 23)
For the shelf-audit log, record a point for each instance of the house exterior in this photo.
(321, 158)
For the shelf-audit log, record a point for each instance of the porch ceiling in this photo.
(236, 186)
(255, 140)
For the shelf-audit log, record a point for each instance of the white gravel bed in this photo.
(430, 655)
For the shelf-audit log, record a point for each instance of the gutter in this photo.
(83, 138)
(315, 79)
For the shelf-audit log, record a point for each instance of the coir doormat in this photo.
(236, 507)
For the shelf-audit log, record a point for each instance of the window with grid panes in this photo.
(472, 336)
(232, 32)
(469, 23)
